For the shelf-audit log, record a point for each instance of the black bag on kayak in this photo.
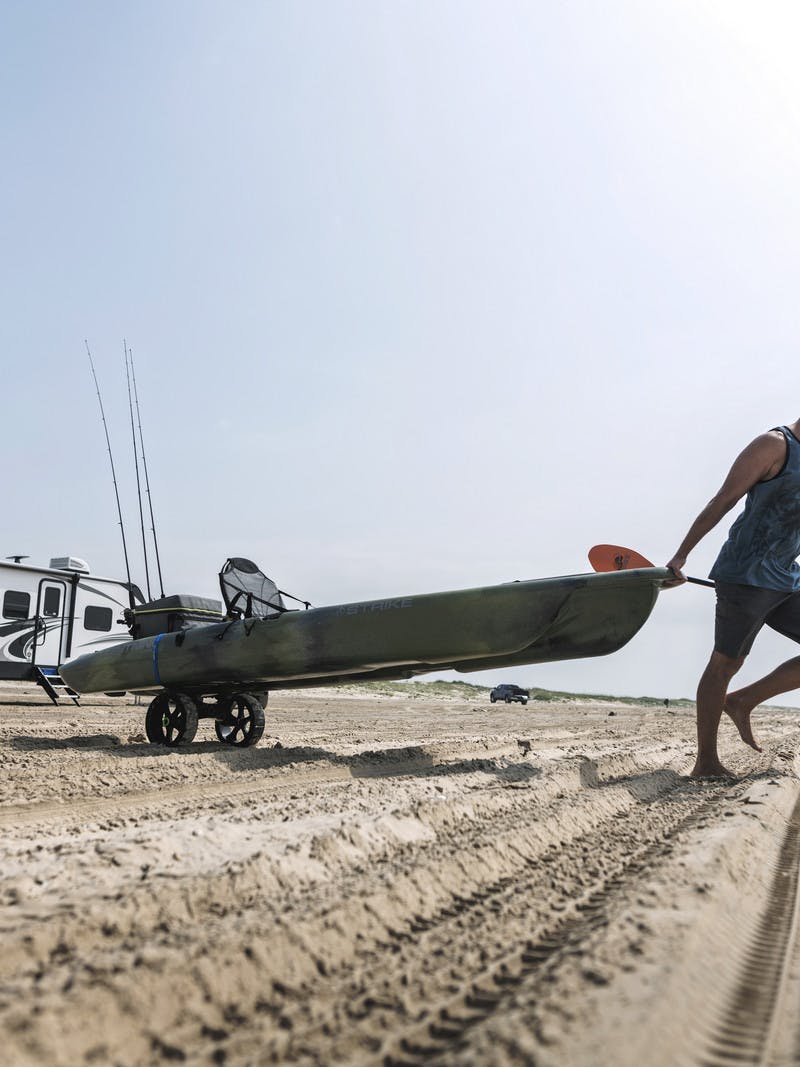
(172, 613)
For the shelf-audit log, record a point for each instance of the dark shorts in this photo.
(743, 609)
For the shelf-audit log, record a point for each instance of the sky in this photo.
(421, 296)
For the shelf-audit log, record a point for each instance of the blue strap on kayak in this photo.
(155, 659)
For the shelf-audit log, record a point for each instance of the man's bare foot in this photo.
(740, 714)
(711, 769)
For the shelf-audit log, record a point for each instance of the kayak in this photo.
(507, 625)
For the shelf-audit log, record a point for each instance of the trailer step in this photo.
(55, 686)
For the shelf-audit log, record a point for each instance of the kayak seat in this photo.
(248, 593)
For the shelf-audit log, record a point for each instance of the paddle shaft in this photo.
(700, 581)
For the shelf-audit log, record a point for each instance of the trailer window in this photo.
(52, 602)
(98, 618)
(16, 605)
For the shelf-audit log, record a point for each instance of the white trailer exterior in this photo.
(51, 614)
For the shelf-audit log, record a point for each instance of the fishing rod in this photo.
(138, 482)
(146, 478)
(113, 477)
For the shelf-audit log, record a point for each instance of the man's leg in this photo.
(740, 704)
(711, 693)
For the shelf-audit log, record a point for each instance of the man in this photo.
(758, 581)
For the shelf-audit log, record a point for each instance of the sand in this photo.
(394, 880)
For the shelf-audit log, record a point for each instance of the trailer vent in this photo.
(69, 563)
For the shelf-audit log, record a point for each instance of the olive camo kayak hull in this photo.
(465, 630)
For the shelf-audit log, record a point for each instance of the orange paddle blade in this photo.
(616, 558)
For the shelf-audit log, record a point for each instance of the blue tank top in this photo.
(764, 542)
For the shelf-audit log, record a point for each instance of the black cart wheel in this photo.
(242, 723)
(171, 719)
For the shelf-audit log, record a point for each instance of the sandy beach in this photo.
(396, 880)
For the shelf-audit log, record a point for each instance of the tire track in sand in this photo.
(240, 968)
(389, 908)
(286, 777)
(573, 912)
(759, 1026)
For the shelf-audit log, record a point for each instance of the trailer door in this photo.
(51, 607)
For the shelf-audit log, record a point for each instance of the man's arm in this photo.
(762, 459)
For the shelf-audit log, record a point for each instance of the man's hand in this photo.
(676, 566)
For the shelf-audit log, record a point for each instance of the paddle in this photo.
(615, 558)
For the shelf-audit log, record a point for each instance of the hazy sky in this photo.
(422, 295)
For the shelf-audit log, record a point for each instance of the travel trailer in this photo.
(51, 614)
